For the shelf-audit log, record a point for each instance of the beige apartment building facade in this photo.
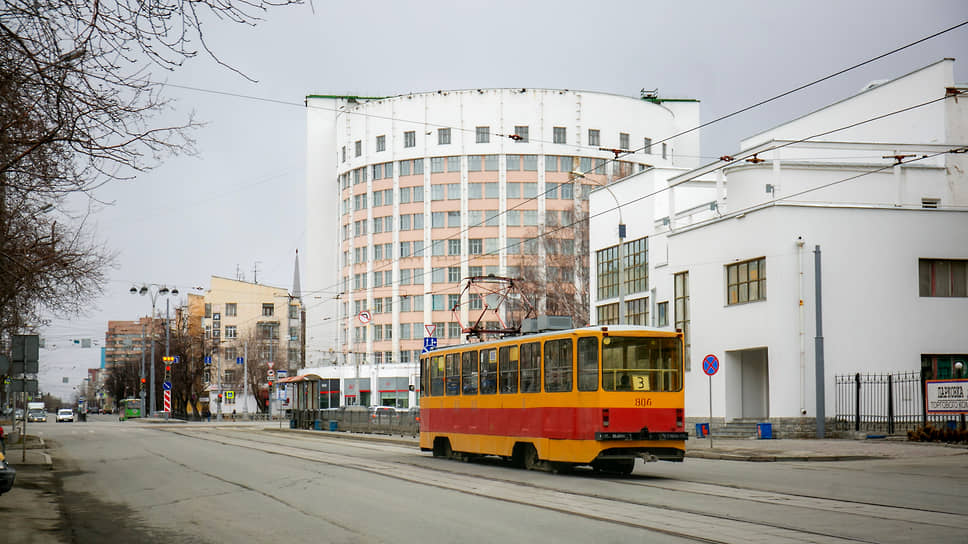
(247, 326)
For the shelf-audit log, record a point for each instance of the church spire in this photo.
(296, 289)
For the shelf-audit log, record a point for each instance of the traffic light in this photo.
(167, 373)
(220, 398)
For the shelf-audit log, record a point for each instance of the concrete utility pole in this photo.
(141, 384)
(818, 348)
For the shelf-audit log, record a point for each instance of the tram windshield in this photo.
(641, 364)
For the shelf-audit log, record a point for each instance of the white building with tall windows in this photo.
(874, 185)
(408, 195)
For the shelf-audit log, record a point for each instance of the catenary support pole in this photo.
(818, 346)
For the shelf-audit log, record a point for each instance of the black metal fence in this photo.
(888, 403)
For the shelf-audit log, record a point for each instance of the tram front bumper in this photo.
(642, 435)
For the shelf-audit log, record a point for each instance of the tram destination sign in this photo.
(946, 396)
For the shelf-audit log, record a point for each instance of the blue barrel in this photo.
(764, 431)
(333, 425)
(318, 425)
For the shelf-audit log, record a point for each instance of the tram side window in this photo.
(488, 371)
(530, 367)
(453, 374)
(508, 366)
(468, 382)
(436, 375)
(558, 364)
(588, 364)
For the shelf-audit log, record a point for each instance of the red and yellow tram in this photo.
(599, 396)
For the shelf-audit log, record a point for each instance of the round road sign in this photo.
(365, 317)
(710, 364)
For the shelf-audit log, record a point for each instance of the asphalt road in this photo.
(206, 483)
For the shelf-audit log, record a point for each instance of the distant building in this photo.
(244, 319)
(124, 340)
(731, 250)
(408, 195)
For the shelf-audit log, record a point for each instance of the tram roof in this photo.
(611, 329)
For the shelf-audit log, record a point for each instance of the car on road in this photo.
(19, 414)
(65, 414)
(36, 416)
(7, 475)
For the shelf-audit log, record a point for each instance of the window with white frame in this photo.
(443, 136)
(231, 331)
(483, 135)
(358, 145)
(410, 139)
(231, 309)
(560, 135)
(623, 140)
(594, 137)
(521, 134)
(381, 143)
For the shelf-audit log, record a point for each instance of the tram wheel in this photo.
(530, 458)
(442, 448)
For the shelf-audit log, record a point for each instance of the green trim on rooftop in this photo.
(661, 100)
(345, 97)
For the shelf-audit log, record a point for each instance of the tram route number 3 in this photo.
(640, 383)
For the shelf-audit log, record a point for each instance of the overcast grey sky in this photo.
(240, 201)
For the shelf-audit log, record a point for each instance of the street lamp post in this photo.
(153, 290)
(621, 245)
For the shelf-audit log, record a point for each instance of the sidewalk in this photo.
(798, 450)
(30, 512)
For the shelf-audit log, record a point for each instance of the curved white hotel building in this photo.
(407, 195)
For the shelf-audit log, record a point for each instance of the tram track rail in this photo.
(689, 523)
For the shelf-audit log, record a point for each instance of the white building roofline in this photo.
(845, 99)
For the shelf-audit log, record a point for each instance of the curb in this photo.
(759, 458)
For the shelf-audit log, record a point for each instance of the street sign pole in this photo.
(710, 411)
(245, 378)
(710, 365)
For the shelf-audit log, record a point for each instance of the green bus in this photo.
(129, 408)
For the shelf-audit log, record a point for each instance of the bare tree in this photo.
(77, 101)
(558, 282)
(122, 381)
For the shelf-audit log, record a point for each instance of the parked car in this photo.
(36, 416)
(382, 411)
(65, 414)
(7, 475)
(19, 414)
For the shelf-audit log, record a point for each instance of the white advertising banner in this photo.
(946, 396)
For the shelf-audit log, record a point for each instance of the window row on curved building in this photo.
(409, 195)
